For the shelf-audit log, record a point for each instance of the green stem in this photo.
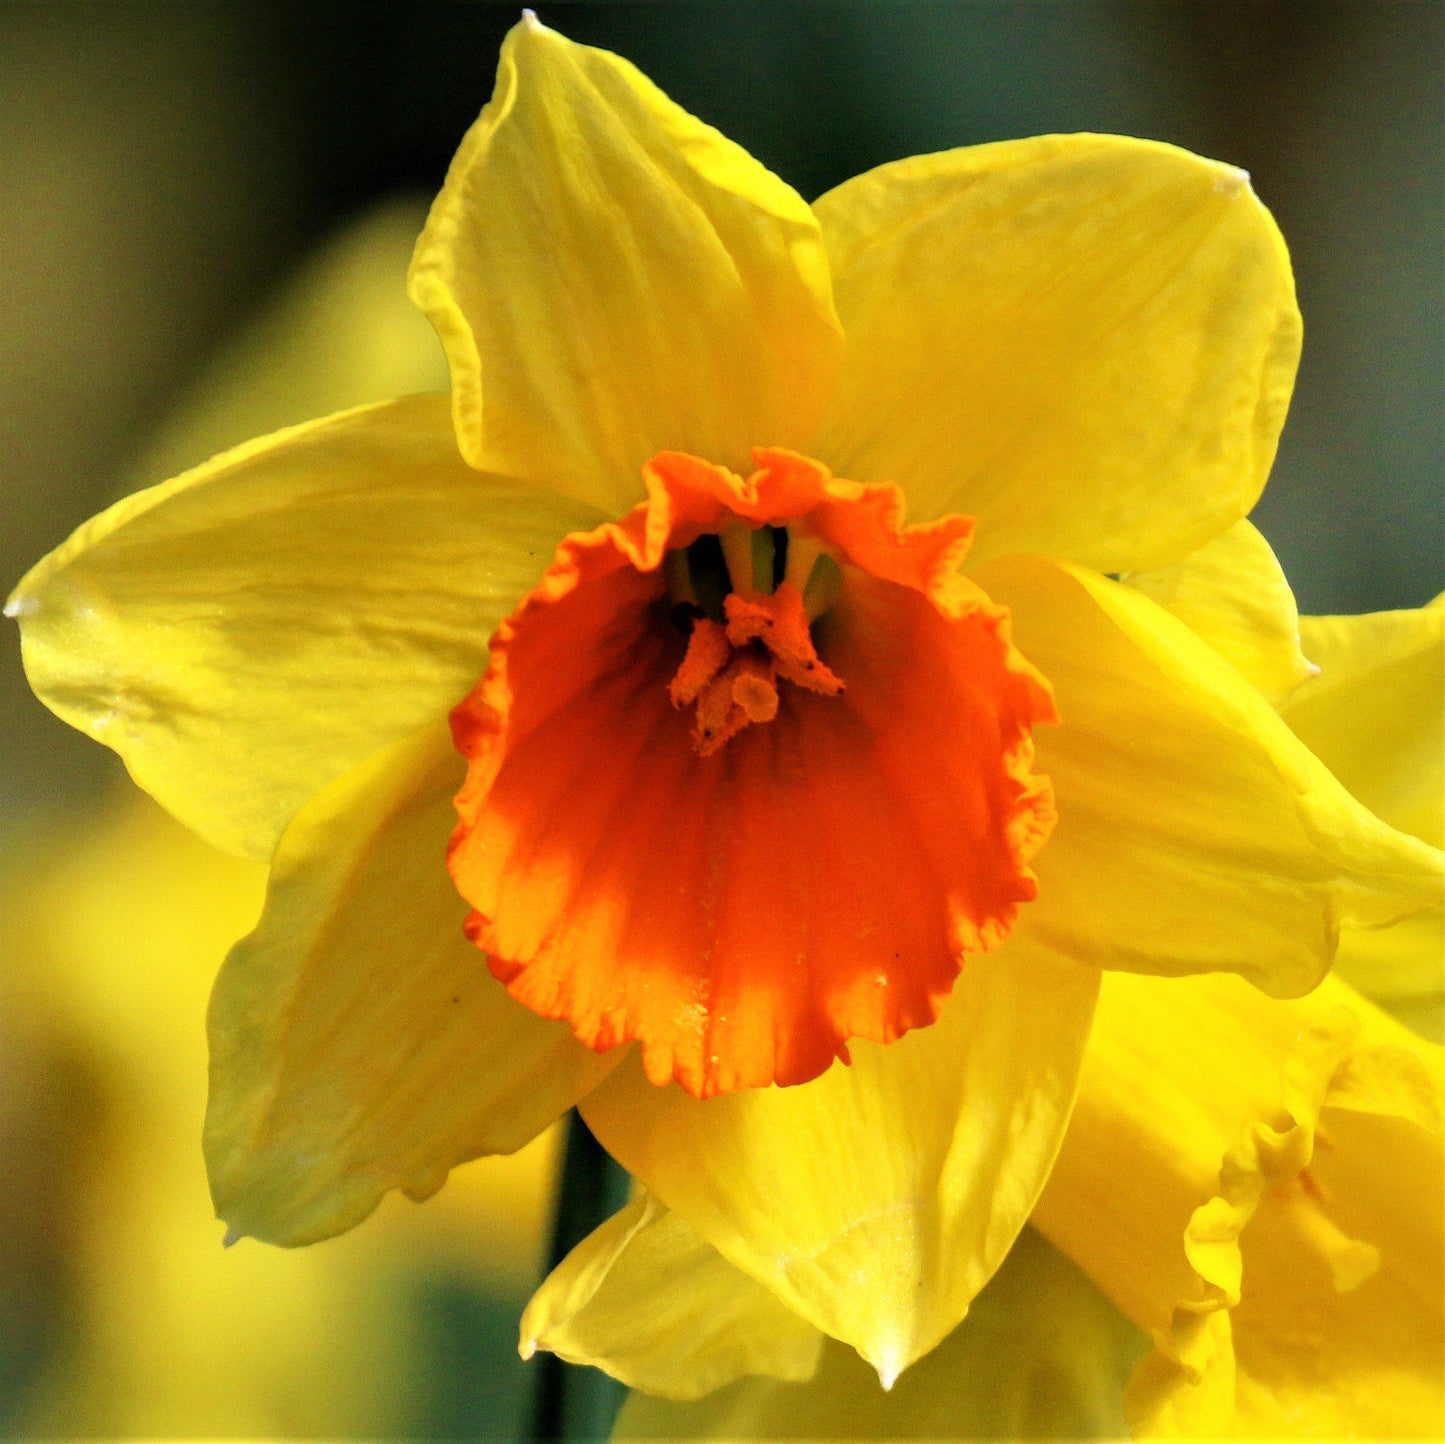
(571, 1401)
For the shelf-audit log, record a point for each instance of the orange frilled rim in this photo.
(742, 910)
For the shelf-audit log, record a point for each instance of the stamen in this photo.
(815, 572)
(803, 552)
(764, 559)
(719, 715)
(737, 550)
(747, 626)
(708, 651)
(780, 624)
(746, 691)
(823, 587)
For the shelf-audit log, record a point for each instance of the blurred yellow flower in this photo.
(111, 945)
(112, 927)
(1085, 342)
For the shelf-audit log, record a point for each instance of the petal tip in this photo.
(232, 1237)
(889, 1364)
(1231, 179)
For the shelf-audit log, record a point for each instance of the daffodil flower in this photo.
(757, 775)
(1255, 1183)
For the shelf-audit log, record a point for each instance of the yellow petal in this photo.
(243, 634)
(612, 278)
(1319, 1237)
(644, 1298)
(1233, 593)
(358, 1042)
(1195, 832)
(1086, 341)
(878, 1199)
(1375, 714)
(1042, 1355)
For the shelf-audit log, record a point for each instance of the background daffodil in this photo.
(1298, 1296)
(1084, 343)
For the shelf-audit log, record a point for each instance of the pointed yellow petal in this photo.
(1232, 592)
(644, 1298)
(878, 1199)
(1086, 341)
(1294, 1289)
(358, 1042)
(243, 634)
(612, 278)
(1041, 1355)
(1196, 833)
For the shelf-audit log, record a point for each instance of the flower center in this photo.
(746, 597)
(798, 863)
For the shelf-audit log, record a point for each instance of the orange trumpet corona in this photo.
(749, 773)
